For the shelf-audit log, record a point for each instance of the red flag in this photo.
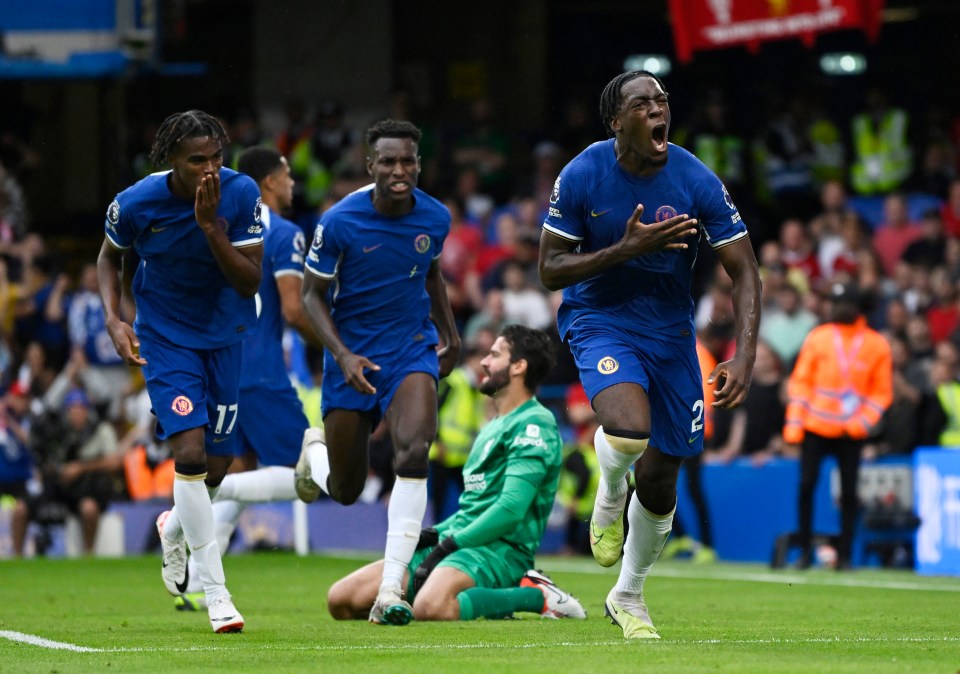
(714, 24)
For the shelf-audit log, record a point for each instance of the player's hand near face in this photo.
(352, 367)
(207, 201)
(640, 238)
(732, 381)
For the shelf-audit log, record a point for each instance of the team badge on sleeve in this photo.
(113, 214)
(555, 194)
(257, 210)
(728, 200)
(318, 236)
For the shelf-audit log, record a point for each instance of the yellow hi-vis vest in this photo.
(883, 158)
(459, 419)
(949, 396)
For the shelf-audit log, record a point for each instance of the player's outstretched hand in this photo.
(126, 342)
(352, 367)
(446, 546)
(207, 201)
(640, 238)
(731, 382)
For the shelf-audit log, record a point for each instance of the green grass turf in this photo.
(717, 618)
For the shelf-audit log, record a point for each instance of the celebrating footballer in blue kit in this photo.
(621, 235)
(376, 298)
(196, 230)
(270, 420)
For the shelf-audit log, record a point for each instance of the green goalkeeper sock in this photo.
(481, 602)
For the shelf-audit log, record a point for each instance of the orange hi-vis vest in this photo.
(146, 482)
(707, 363)
(841, 384)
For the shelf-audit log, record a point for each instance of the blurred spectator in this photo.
(935, 172)
(785, 326)
(754, 428)
(491, 317)
(950, 211)
(580, 473)
(710, 137)
(16, 467)
(36, 373)
(483, 147)
(941, 422)
(523, 303)
(929, 250)
(462, 413)
(898, 427)
(943, 315)
(79, 460)
(882, 156)
(785, 176)
(478, 206)
(826, 224)
(895, 233)
(42, 309)
(797, 249)
(106, 376)
(840, 387)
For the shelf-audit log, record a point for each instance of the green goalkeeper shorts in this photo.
(492, 566)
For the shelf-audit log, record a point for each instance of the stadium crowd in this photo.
(873, 200)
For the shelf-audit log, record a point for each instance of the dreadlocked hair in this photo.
(612, 97)
(180, 126)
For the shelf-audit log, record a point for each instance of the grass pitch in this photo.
(114, 615)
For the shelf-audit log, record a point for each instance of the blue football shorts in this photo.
(336, 393)
(271, 425)
(669, 372)
(190, 388)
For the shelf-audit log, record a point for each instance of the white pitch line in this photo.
(46, 643)
(59, 645)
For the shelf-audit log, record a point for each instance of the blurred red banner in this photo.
(714, 24)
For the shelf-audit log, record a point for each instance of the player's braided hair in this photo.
(180, 126)
(612, 97)
(533, 346)
(391, 128)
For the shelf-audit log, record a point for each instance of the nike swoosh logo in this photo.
(370, 249)
(158, 229)
(692, 440)
(595, 214)
(594, 539)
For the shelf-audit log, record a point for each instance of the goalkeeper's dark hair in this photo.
(259, 162)
(612, 97)
(180, 126)
(392, 128)
(533, 346)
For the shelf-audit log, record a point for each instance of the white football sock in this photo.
(226, 514)
(264, 485)
(648, 532)
(612, 486)
(196, 518)
(319, 464)
(408, 504)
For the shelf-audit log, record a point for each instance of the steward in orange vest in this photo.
(840, 387)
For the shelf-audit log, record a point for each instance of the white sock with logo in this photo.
(196, 518)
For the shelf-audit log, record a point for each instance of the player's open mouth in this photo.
(659, 137)
(399, 187)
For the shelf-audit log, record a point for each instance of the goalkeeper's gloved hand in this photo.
(446, 546)
(428, 538)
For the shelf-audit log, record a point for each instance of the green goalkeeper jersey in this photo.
(523, 444)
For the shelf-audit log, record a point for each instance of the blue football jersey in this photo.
(179, 289)
(284, 247)
(591, 202)
(379, 265)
